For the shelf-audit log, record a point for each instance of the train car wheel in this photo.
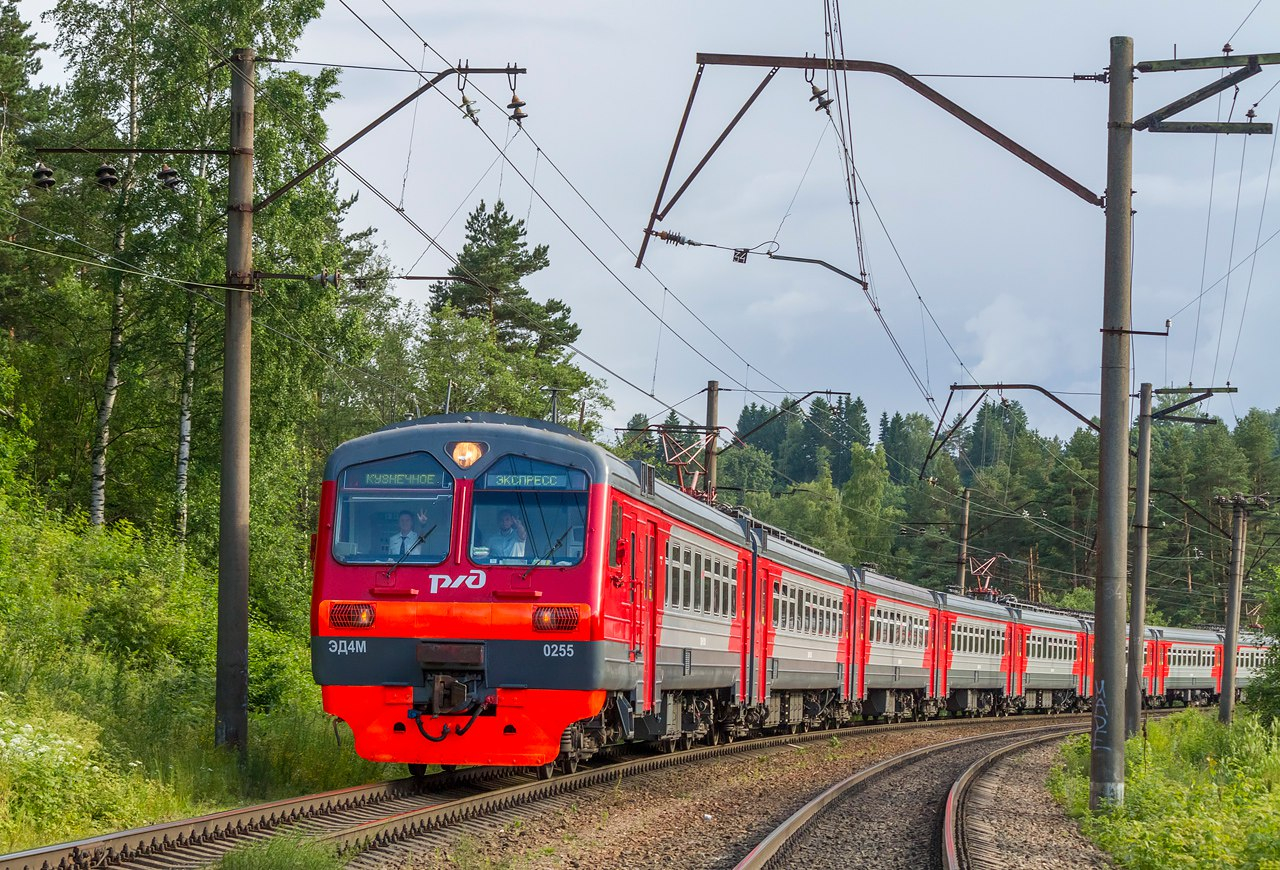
(568, 764)
(417, 771)
(545, 771)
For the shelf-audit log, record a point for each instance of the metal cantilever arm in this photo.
(923, 90)
(330, 155)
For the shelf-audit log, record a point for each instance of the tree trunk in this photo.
(184, 415)
(110, 388)
(115, 351)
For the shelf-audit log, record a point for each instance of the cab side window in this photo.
(615, 533)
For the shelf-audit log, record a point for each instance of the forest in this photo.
(111, 308)
(819, 473)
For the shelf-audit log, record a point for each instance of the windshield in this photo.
(528, 512)
(392, 510)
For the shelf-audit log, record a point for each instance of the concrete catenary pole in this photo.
(713, 429)
(962, 564)
(1138, 598)
(1239, 526)
(231, 701)
(1106, 763)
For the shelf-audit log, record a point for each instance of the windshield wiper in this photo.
(547, 554)
(405, 555)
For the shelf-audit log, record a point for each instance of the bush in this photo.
(107, 643)
(1197, 794)
(57, 782)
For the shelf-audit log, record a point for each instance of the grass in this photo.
(1197, 794)
(106, 689)
(282, 853)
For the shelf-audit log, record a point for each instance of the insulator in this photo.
(107, 177)
(469, 109)
(516, 102)
(818, 93)
(168, 176)
(518, 115)
(672, 238)
(823, 103)
(42, 176)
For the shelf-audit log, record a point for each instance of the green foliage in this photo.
(282, 853)
(493, 262)
(107, 641)
(1264, 690)
(1197, 794)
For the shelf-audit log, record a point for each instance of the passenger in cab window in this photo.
(406, 540)
(508, 541)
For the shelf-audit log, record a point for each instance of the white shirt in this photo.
(408, 539)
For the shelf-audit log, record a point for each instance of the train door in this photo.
(630, 558)
(648, 620)
(749, 664)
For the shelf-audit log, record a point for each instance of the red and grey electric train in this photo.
(497, 590)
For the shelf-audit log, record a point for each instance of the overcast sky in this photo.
(1009, 264)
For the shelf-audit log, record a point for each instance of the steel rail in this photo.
(954, 839)
(782, 837)
(108, 849)
(954, 845)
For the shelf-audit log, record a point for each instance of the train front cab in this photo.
(469, 648)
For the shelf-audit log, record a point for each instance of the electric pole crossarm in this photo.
(1209, 127)
(1194, 97)
(998, 387)
(967, 117)
(1221, 62)
(330, 155)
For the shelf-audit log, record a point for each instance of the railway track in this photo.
(898, 808)
(372, 817)
(912, 813)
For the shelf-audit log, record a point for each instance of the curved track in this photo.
(964, 845)
(894, 809)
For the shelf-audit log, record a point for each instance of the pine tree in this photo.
(494, 261)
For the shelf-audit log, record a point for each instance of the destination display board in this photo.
(416, 471)
(519, 473)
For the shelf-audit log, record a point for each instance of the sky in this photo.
(983, 269)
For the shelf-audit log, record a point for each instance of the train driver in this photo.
(405, 541)
(509, 539)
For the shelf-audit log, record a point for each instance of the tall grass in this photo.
(106, 689)
(1197, 794)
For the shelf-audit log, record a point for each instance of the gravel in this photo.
(704, 816)
(1034, 830)
(892, 822)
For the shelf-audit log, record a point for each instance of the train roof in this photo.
(880, 584)
(967, 606)
(1188, 635)
(504, 434)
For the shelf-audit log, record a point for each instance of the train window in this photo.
(686, 579)
(733, 590)
(673, 575)
(708, 580)
(615, 532)
(529, 512)
(698, 581)
(393, 509)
